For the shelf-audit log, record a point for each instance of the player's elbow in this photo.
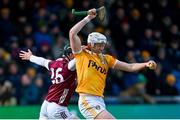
(135, 68)
(72, 33)
(132, 68)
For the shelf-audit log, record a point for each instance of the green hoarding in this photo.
(119, 111)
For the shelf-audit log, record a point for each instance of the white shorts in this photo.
(51, 110)
(90, 106)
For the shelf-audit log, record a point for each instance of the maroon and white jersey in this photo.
(63, 82)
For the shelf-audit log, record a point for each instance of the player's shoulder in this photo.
(82, 52)
(109, 56)
(86, 51)
(61, 60)
(58, 61)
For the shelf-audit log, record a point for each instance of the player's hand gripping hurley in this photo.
(101, 13)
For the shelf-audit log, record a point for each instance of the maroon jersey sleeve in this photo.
(63, 82)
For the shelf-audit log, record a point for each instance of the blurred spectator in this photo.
(13, 74)
(27, 31)
(57, 48)
(138, 89)
(39, 83)
(14, 47)
(41, 17)
(6, 94)
(42, 36)
(4, 56)
(176, 74)
(7, 28)
(174, 53)
(164, 60)
(135, 22)
(2, 76)
(6, 3)
(169, 86)
(45, 50)
(29, 44)
(149, 21)
(29, 93)
(31, 73)
(54, 24)
(148, 42)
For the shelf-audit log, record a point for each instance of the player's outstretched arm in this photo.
(133, 67)
(75, 41)
(38, 60)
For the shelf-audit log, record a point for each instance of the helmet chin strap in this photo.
(103, 59)
(92, 44)
(66, 57)
(100, 55)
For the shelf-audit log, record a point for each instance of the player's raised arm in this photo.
(38, 60)
(133, 67)
(75, 41)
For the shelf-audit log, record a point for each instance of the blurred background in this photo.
(137, 30)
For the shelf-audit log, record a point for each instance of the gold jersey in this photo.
(91, 72)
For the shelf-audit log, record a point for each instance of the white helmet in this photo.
(96, 37)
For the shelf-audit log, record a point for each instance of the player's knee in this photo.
(105, 115)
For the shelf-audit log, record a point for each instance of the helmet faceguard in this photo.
(96, 37)
(67, 51)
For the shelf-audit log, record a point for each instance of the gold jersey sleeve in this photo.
(91, 72)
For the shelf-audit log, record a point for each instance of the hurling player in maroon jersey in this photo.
(63, 77)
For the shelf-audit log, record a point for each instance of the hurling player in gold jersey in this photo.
(92, 68)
